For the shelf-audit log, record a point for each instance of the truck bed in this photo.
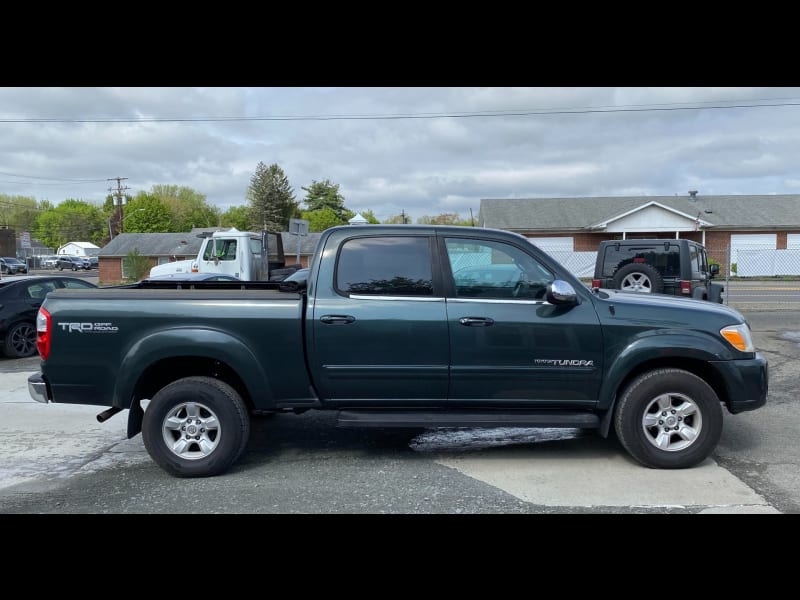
(110, 344)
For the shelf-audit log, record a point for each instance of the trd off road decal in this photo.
(88, 327)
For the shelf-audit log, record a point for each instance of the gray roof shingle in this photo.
(565, 214)
(153, 244)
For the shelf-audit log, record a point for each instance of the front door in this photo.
(509, 346)
(221, 256)
(379, 330)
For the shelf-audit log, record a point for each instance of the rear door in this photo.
(509, 346)
(379, 324)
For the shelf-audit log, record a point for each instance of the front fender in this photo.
(188, 341)
(658, 345)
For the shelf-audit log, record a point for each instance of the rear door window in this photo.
(76, 284)
(385, 266)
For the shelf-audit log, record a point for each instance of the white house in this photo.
(79, 249)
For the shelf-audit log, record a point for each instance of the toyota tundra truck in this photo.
(401, 326)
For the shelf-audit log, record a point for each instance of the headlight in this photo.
(739, 337)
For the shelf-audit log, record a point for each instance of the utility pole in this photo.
(119, 199)
(403, 214)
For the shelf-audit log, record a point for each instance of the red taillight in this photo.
(595, 283)
(43, 333)
(686, 288)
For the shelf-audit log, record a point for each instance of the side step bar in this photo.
(467, 418)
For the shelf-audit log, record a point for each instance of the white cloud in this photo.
(422, 166)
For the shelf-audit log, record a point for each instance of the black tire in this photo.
(644, 275)
(676, 388)
(225, 404)
(60, 267)
(20, 341)
(74, 268)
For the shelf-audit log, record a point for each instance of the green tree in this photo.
(188, 207)
(369, 216)
(443, 219)
(18, 212)
(271, 199)
(147, 213)
(136, 266)
(322, 219)
(72, 221)
(324, 194)
(236, 216)
(401, 219)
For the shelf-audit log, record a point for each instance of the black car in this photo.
(676, 267)
(12, 266)
(20, 299)
(74, 263)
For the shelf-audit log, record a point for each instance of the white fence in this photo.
(580, 264)
(766, 262)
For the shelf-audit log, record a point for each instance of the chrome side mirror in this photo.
(561, 293)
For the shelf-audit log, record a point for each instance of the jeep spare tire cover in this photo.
(639, 277)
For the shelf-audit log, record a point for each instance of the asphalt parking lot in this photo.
(57, 458)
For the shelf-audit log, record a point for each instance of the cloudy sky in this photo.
(452, 146)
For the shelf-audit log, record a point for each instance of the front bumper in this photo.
(747, 382)
(37, 388)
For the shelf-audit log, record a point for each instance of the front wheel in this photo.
(669, 419)
(196, 427)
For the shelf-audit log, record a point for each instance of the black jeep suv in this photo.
(659, 266)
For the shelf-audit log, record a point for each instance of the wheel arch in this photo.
(687, 356)
(156, 360)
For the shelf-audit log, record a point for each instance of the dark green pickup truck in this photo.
(407, 326)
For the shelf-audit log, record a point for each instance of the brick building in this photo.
(724, 224)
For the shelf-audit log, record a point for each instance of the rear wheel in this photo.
(669, 419)
(20, 341)
(196, 427)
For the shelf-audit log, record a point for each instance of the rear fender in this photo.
(189, 341)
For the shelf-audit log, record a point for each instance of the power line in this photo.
(52, 178)
(389, 117)
(41, 183)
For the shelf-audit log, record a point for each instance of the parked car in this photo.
(282, 274)
(73, 262)
(20, 299)
(94, 262)
(49, 262)
(676, 267)
(300, 275)
(12, 266)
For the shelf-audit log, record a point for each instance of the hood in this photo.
(665, 309)
(181, 266)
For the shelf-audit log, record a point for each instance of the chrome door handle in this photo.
(337, 319)
(476, 321)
